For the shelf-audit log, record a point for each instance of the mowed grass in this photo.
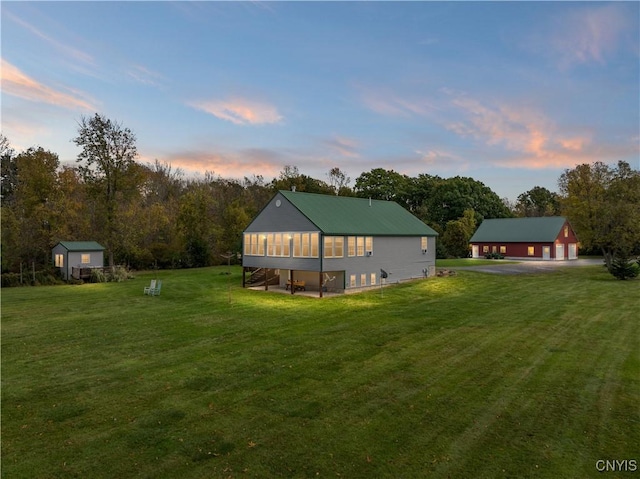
(475, 375)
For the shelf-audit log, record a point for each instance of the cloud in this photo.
(17, 83)
(240, 111)
(71, 52)
(536, 141)
(346, 147)
(228, 164)
(588, 35)
(390, 103)
(145, 76)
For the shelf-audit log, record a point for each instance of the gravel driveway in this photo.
(528, 267)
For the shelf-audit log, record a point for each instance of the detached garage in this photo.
(543, 238)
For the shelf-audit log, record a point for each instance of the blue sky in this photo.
(510, 94)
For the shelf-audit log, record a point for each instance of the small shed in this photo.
(72, 257)
(541, 238)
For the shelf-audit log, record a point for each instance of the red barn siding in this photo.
(521, 249)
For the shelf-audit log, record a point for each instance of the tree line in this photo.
(152, 215)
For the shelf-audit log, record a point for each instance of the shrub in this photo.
(98, 276)
(623, 268)
(119, 274)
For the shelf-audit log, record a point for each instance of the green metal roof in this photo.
(519, 230)
(345, 215)
(82, 245)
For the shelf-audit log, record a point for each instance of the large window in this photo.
(305, 245)
(278, 244)
(333, 246)
(254, 244)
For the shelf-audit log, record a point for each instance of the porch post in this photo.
(320, 282)
(244, 281)
(292, 286)
(266, 279)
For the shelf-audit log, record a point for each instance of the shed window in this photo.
(424, 242)
(485, 249)
(531, 250)
(503, 249)
(59, 261)
(566, 231)
(86, 258)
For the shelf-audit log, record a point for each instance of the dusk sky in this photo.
(510, 94)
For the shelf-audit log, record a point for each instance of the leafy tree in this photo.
(8, 169)
(290, 178)
(381, 184)
(457, 234)
(538, 201)
(339, 182)
(26, 220)
(107, 163)
(449, 198)
(603, 205)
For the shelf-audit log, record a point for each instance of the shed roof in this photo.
(82, 245)
(346, 215)
(519, 230)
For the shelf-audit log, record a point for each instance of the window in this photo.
(503, 249)
(531, 250)
(494, 249)
(333, 246)
(373, 279)
(424, 241)
(485, 249)
(277, 244)
(566, 231)
(368, 243)
(305, 245)
(254, 244)
(86, 258)
(360, 244)
(351, 245)
(352, 281)
(338, 246)
(59, 261)
(363, 279)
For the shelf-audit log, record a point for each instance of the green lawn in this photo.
(471, 376)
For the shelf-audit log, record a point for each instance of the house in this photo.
(335, 243)
(546, 238)
(71, 257)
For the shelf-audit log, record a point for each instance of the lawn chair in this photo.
(156, 291)
(152, 286)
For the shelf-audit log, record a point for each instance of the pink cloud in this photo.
(17, 83)
(240, 111)
(589, 35)
(536, 141)
(389, 103)
(227, 165)
(346, 147)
